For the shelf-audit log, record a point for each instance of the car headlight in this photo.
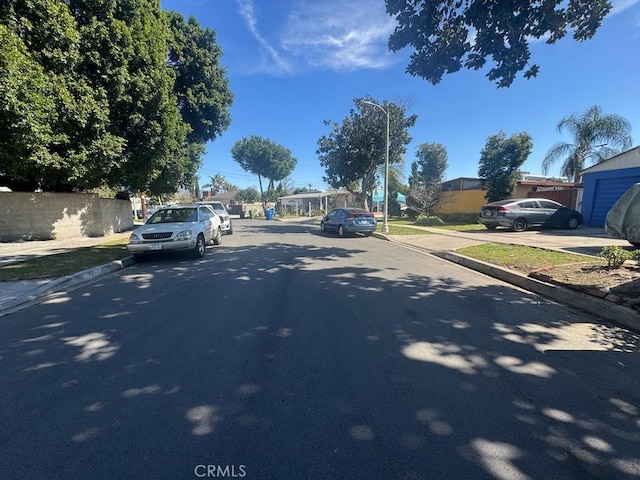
(184, 235)
(133, 238)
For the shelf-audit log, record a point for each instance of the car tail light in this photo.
(502, 211)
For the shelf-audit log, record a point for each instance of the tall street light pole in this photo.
(385, 211)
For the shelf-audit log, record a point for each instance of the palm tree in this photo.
(596, 137)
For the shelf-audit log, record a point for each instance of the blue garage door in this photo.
(608, 191)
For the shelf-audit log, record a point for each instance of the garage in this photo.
(605, 182)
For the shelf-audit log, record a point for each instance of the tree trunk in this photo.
(264, 202)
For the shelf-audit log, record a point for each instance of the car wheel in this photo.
(341, 231)
(217, 239)
(572, 223)
(490, 227)
(322, 227)
(198, 250)
(519, 224)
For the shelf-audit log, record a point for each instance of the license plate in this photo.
(155, 246)
(363, 221)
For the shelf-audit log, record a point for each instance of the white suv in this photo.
(175, 228)
(225, 218)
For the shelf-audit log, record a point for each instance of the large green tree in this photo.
(266, 159)
(500, 163)
(248, 195)
(126, 44)
(353, 151)
(426, 177)
(200, 85)
(596, 137)
(106, 93)
(53, 124)
(448, 35)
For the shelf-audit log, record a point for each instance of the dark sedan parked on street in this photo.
(349, 221)
(519, 214)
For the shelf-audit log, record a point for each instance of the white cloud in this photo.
(332, 34)
(339, 35)
(248, 14)
(621, 5)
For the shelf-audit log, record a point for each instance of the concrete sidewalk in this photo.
(438, 242)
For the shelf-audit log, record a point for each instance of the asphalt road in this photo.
(290, 354)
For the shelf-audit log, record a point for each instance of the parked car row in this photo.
(192, 227)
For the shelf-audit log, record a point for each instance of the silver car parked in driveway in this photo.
(520, 214)
(177, 228)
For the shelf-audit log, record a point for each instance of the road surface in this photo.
(286, 353)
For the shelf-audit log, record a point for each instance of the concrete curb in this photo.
(612, 312)
(67, 282)
(604, 309)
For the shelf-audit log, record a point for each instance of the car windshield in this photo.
(170, 215)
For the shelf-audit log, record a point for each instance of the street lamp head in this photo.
(376, 105)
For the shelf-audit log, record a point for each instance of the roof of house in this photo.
(313, 195)
(627, 159)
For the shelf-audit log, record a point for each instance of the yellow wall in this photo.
(462, 201)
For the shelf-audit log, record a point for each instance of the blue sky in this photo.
(292, 64)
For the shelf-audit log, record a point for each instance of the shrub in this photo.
(615, 256)
(425, 221)
(459, 218)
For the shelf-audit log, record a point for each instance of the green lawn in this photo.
(520, 257)
(462, 227)
(396, 228)
(61, 264)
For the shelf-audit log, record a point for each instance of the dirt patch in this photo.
(590, 275)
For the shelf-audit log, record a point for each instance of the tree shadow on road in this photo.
(311, 360)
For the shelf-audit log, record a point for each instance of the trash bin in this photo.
(252, 214)
(269, 213)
